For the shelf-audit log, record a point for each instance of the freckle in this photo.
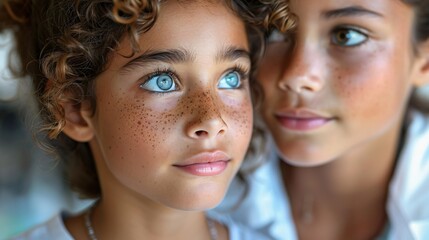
(139, 123)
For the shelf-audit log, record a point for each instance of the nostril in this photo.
(208, 128)
(307, 88)
(201, 133)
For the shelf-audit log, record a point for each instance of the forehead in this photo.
(386, 8)
(185, 11)
(200, 27)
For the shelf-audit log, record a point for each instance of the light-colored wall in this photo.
(8, 85)
(32, 187)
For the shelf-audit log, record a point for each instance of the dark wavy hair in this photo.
(65, 44)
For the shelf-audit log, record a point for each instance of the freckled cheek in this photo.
(367, 93)
(239, 118)
(138, 130)
(240, 115)
(375, 85)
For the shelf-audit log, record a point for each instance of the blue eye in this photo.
(230, 80)
(162, 82)
(348, 37)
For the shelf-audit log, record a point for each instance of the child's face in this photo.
(344, 82)
(180, 103)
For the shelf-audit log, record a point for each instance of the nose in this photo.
(207, 120)
(303, 70)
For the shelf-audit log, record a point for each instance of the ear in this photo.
(422, 64)
(78, 120)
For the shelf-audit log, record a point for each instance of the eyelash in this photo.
(159, 71)
(242, 71)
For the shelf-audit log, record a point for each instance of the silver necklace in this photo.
(88, 224)
(91, 233)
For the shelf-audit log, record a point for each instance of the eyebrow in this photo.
(181, 55)
(232, 53)
(350, 11)
(166, 56)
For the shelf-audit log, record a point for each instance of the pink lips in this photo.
(302, 120)
(205, 164)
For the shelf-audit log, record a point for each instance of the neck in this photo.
(111, 221)
(339, 199)
(129, 218)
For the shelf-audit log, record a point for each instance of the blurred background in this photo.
(32, 186)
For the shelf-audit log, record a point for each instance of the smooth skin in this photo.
(186, 93)
(336, 91)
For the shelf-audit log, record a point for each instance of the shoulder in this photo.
(53, 229)
(412, 170)
(408, 196)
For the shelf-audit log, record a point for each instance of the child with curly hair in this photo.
(149, 103)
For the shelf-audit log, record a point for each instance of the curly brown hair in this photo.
(65, 44)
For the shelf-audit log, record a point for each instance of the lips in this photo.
(302, 119)
(205, 164)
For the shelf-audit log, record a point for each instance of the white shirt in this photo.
(54, 229)
(266, 206)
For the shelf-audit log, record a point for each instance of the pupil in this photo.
(343, 36)
(164, 82)
(232, 79)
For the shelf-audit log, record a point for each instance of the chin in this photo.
(302, 154)
(203, 205)
(200, 201)
(305, 163)
(303, 160)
